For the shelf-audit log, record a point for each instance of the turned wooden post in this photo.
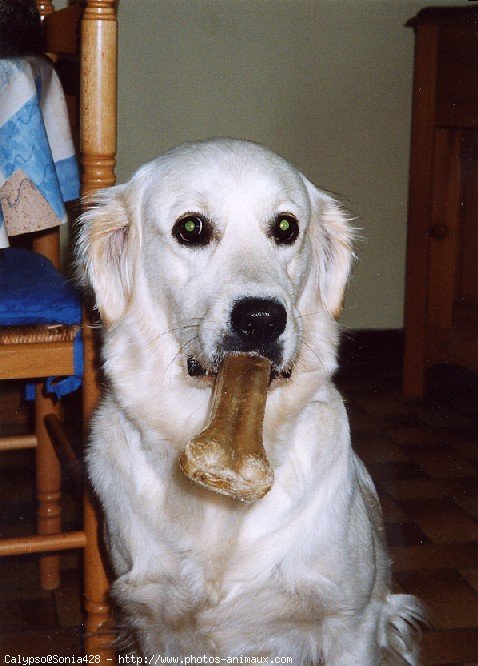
(48, 488)
(98, 95)
(98, 159)
(48, 472)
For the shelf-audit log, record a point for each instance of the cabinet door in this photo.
(452, 308)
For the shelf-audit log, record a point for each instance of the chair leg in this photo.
(99, 626)
(48, 484)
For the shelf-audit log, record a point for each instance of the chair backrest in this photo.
(61, 42)
(81, 40)
(91, 26)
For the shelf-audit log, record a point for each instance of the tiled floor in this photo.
(423, 457)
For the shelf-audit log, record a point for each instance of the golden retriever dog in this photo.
(213, 248)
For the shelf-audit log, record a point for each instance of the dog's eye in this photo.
(285, 229)
(192, 230)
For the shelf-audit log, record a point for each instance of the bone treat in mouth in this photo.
(228, 456)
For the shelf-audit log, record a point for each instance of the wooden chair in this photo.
(37, 352)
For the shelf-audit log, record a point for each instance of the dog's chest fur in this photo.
(200, 598)
(196, 563)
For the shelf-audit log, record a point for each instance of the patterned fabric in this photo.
(38, 167)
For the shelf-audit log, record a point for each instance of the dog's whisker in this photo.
(308, 314)
(152, 341)
(316, 353)
(180, 350)
(169, 331)
(93, 326)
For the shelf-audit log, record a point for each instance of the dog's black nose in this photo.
(258, 321)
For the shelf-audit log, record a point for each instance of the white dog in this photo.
(214, 247)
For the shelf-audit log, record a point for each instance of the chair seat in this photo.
(14, 335)
(32, 291)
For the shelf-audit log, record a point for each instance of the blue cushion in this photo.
(32, 291)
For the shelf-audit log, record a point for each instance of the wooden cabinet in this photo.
(441, 292)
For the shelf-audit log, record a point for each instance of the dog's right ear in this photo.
(106, 251)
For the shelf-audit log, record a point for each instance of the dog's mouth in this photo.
(197, 369)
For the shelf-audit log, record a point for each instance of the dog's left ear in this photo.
(331, 239)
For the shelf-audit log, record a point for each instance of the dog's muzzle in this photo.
(255, 327)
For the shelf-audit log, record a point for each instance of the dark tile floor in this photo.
(423, 457)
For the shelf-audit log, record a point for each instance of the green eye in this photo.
(189, 226)
(192, 230)
(285, 229)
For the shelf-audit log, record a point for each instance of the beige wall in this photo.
(325, 83)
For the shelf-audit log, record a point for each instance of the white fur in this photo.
(303, 572)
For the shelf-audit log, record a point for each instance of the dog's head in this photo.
(221, 246)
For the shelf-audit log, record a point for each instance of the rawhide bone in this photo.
(228, 456)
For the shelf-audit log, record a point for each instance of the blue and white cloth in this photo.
(35, 141)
